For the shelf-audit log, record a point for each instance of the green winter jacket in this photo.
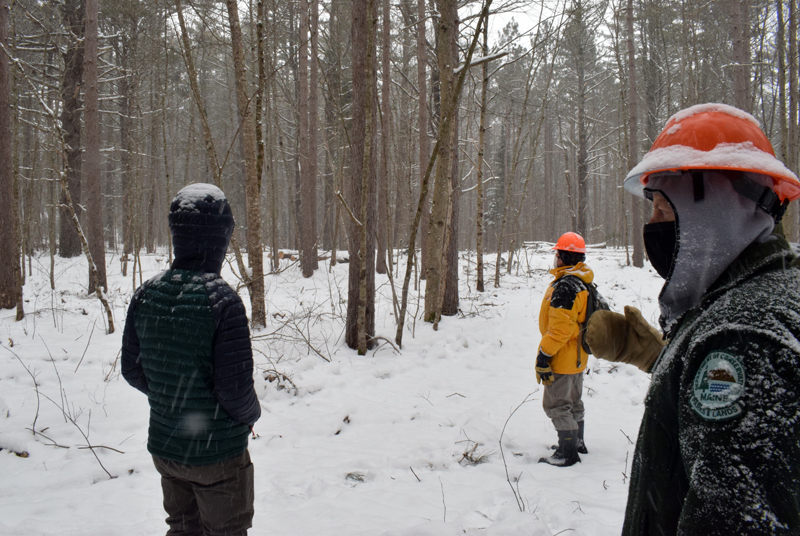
(719, 445)
(175, 323)
(186, 342)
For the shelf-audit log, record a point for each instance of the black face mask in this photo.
(660, 240)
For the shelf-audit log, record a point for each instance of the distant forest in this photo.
(362, 125)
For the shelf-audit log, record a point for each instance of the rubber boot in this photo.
(581, 445)
(567, 452)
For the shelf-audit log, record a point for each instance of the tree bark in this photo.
(479, 163)
(313, 126)
(782, 109)
(441, 208)
(740, 32)
(426, 177)
(583, 152)
(10, 287)
(633, 143)
(360, 325)
(255, 251)
(73, 14)
(386, 144)
(450, 298)
(424, 142)
(94, 197)
(306, 130)
(261, 84)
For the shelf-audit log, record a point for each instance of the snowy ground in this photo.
(384, 444)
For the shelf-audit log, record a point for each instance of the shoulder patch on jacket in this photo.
(565, 290)
(718, 387)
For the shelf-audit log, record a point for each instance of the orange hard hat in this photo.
(571, 242)
(714, 136)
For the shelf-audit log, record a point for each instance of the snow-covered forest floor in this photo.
(442, 438)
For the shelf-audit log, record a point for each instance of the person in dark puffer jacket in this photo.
(718, 451)
(186, 345)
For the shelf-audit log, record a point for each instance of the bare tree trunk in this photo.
(479, 164)
(255, 251)
(549, 228)
(360, 325)
(334, 153)
(313, 126)
(449, 301)
(126, 155)
(793, 131)
(367, 187)
(386, 144)
(794, 89)
(441, 204)
(740, 31)
(508, 182)
(261, 82)
(150, 186)
(633, 146)
(781, 46)
(307, 216)
(583, 152)
(327, 178)
(94, 197)
(273, 189)
(211, 153)
(424, 143)
(98, 289)
(10, 287)
(272, 165)
(73, 13)
(509, 177)
(426, 177)
(405, 159)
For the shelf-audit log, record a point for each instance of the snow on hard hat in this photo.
(714, 136)
(571, 242)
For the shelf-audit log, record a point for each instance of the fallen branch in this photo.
(415, 474)
(54, 444)
(379, 338)
(517, 496)
(36, 388)
(87, 346)
(83, 447)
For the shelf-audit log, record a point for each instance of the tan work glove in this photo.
(624, 339)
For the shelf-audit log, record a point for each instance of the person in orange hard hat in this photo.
(561, 360)
(718, 451)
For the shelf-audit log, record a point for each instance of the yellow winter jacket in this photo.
(563, 309)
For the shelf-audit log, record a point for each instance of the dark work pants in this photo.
(208, 500)
(562, 401)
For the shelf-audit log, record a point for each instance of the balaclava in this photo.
(713, 225)
(571, 258)
(201, 222)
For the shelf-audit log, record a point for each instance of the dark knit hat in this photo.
(201, 222)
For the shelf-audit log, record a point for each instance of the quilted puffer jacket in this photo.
(186, 341)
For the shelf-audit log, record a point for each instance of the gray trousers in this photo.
(208, 500)
(562, 401)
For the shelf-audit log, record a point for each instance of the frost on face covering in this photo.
(711, 233)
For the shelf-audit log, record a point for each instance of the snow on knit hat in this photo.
(202, 223)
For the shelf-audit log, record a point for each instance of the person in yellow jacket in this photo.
(561, 359)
